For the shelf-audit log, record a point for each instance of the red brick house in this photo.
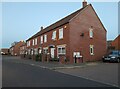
(116, 43)
(79, 35)
(5, 51)
(23, 51)
(15, 49)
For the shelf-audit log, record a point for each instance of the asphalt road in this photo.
(23, 75)
(106, 73)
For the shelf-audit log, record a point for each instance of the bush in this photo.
(55, 59)
(67, 60)
(37, 57)
(40, 57)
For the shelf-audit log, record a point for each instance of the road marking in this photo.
(32, 64)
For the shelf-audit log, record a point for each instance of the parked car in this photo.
(2, 53)
(114, 56)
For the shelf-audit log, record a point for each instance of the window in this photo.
(28, 43)
(54, 35)
(33, 42)
(91, 50)
(45, 38)
(91, 33)
(61, 33)
(36, 41)
(45, 50)
(41, 39)
(32, 51)
(61, 50)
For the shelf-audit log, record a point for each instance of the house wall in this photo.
(16, 48)
(81, 24)
(58, 41)
(5, 50)
(116, 43)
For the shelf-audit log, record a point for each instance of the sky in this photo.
(21, 20)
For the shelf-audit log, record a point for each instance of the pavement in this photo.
(16, 73)
(49, 65)
(106, 73)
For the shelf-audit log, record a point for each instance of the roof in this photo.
(58, 23)
(117, 38)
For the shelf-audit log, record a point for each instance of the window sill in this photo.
(60, 39)
(92, 54)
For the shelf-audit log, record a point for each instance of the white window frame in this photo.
(61, 33)
(91, 33)
(61, 52)
(54, 35)
(91, 49)
(35, 41)
(28, 43)
(45, 50)
(41, 39)
(45, 38)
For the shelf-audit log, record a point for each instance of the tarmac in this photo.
(50, 65)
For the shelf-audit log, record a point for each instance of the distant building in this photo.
(116, 43)
(4, 51)
(23, 51)
(109, 45)
(15, 49)
(14, 43)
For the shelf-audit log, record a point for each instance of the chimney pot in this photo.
(41, 27)
(84, 3)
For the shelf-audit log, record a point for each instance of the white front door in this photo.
(52, 52)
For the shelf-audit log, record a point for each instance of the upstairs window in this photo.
(41, 39)
(54, 35)
(36, 41)
(91, 49)
(45, 38)
(61, 33)
(28, 43)
(33, 42)
(91, 33)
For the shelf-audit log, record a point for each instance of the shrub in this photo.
(37, 57)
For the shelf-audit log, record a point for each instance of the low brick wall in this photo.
(28, 56)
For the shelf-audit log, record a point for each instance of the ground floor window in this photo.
(32, 52)
(91, 49)
(45, 50)
(61, 50)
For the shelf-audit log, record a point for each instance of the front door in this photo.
(52, 52)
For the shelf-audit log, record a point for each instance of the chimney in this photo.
(41, 28)
(84, 3)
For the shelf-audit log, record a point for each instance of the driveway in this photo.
(101, 72)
